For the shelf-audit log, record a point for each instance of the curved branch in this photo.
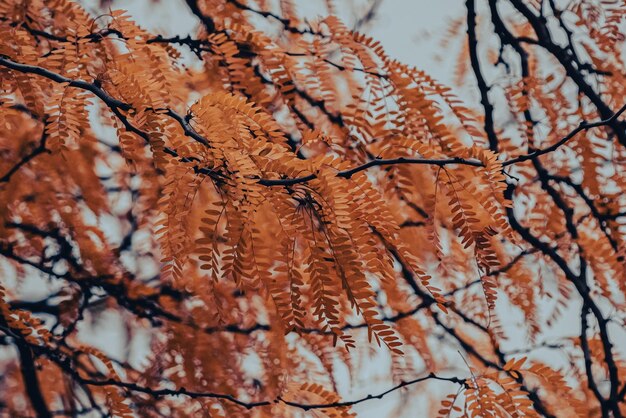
(584, 126)
(249, 405)
(29, 372)
(401, 385)
(483, 88)
(40, 149)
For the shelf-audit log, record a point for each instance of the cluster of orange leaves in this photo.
(231, 155)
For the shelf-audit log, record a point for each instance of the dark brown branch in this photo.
(380, 162)
(482, 85)
(600, 218)
(207, 21)
(29, 373)
(249, 405)
(544, 38)
(401, 385)
(584, 344)
(583, 126)
(113, 103)
(286, 23)
(40, 149)
(97, 91)
(368, 16)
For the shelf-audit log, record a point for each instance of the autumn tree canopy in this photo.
(262, 215)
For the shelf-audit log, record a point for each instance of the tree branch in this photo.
(29, 373)
(472, 42)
